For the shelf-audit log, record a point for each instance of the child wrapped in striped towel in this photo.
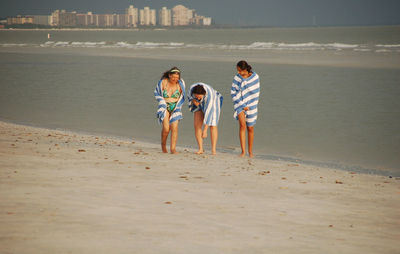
(245, 93)
(170, 95)
(163, 106)
(205, 103)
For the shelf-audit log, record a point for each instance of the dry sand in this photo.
(63, 192)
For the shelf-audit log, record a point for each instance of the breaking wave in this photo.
(306, 46)
(253, 46)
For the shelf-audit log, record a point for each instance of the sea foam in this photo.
(258, 45)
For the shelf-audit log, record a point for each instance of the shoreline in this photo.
(226, 150)
(215, 27)
(68, 192)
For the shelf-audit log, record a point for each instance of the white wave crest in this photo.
(262, 45)
(300, 45)
(61, 43)
(14, 45)
(383, 51)
(47, 43)
(342, 46)
(258, 45)
(159, 44)
(122, 44)
(388, 46)
(87, 44)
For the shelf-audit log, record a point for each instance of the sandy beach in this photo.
(64, 192)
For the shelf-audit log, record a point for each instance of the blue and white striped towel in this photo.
(162, 105)
(245, 93)
(210, 105)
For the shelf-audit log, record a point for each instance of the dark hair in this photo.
(243, 65)
(199, 89)
(171, 71)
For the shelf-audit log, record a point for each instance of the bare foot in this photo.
(174, 152)
(199, 152)
(164, 149)
(251, 155)
(242, 155)
(214, 153)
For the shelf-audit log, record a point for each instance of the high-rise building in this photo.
(164, 17)
(55, 18)
(133, 16)
(178, 16)
(108, 20)
(41, 20)
(67, 18)
(85, 19)
(153, 17)
(20, 20)
(63, 18)
(147, 17)
(102, 20)
(191, 14)
(201, 21)
(207, 21)
(120, 20)
(142, 16)
(181, 16)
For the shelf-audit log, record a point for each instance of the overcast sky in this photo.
(235, 12)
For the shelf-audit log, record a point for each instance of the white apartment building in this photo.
(177, 16)
(153, 17)
(201, 21)
(181, 16)
(63, 18)
(147, 17)
(133, 16)
(42, 20)
(164, 17)
(55, 18)
(207, 21)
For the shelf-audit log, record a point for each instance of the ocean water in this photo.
(329, 96)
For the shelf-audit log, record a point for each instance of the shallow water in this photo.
(317, 105)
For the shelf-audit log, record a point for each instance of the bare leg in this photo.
(250, 133)
(242, 133)
(174, 136)
(165, 132)
(214, 139)
(198, 124)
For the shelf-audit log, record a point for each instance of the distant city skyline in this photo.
(235, 12)
(179, 15)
